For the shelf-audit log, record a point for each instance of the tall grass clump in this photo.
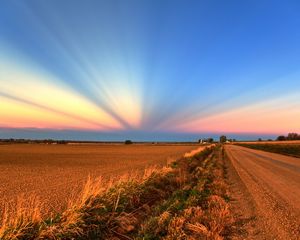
(26, 220)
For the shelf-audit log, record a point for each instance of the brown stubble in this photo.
(57, 173)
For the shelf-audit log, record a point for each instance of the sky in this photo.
(149, 69)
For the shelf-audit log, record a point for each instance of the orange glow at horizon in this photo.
(277, 116)
(40, 90)
(14, 114)
(37, 102)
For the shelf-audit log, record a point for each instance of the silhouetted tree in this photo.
(293, 136)
(281, 138)
(223, 139)
(128, 142)
(290, 136)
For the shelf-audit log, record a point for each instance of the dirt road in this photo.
(266, 192)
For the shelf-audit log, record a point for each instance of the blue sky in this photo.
(156, 69)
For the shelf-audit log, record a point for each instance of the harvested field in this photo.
(296, 142)
(55, 173)
(289, 149)
(186, 200)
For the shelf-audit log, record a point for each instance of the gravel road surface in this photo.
(266, 191)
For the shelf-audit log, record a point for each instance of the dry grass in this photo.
(27, 218)
(57, 173)
(97, 197)
(198, 209)
(193, 152)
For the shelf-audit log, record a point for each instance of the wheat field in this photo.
(56, 173)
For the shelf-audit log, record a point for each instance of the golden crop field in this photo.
(55, 173)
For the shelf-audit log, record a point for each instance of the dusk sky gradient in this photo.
(149, 69)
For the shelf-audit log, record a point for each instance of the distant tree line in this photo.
(44, 141)
(289, 137)
(269, 140)
(224, 139)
